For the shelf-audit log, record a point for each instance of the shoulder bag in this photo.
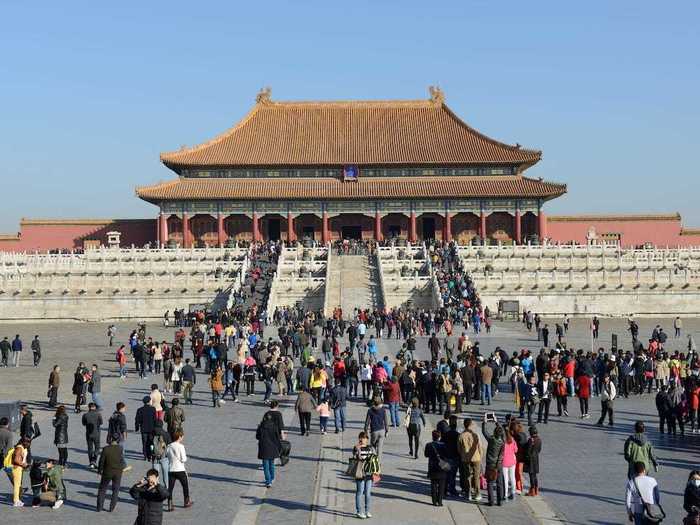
(653, 512)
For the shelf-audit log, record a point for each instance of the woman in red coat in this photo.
(583, 389)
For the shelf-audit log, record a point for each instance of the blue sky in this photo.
(92, 92)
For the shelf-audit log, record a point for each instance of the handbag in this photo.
(491, 474)
(285, 450)
(351, 470)
(444, 465)
(407, 418)
(653, 512)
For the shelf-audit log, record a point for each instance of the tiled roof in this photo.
(350, 132)
(365, 188)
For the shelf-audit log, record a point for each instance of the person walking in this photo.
(392, 395)
(54, 383)
(304, 406)
(217, 385)
(642, 490)
(608, 393)
(60, 425)
(92, 421)
(120, 358)
(339, 399)
(583, 390)
(177, 457)
(494, 460)
(149, 495)
(117, 424)
(16, 350)
(365, 455)
(638, 449)
(470, 452)
(161, 439)
(377, 425)
(521, 438)
(269, 439)
(36, 350)
(545, 390)
(532, 460)
(175, 418)
(438, 467)
(5, 349)
(145, 422)
(189, 379)
(110, 468)
(414, 422)
(6, 437)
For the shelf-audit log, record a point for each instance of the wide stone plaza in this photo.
(583, 470)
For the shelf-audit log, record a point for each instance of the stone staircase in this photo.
(353, 282)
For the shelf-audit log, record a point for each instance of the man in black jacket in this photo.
(26, 426)
(145, 422)
(149, 496)
(92, 421)
(110, 468)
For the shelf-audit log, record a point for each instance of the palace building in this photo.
(408, 169)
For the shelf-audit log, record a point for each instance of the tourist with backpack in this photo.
(160, 441)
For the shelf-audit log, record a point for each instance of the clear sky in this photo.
(91, 92)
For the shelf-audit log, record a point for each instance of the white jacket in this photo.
(177, 457)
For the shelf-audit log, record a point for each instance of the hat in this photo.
(116, 436)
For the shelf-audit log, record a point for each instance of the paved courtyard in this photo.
(583, 471)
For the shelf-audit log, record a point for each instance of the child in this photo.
(323, 412)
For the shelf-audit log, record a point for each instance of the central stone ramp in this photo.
(352, 282)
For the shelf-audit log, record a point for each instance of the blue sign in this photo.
(351, 173)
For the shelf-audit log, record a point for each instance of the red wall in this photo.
(661, 230)
(40, 235)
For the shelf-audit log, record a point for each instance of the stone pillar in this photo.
(290, 227)
(412, 230)
(221, 231)
(186, 237)
(325, 237)
(163, 235)
(482, 225)
(542, 225)
(448, 227)
(518, 228)
(377, 226)
(256, 227)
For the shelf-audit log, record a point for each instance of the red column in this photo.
(256, 227)
(482, 227)
(377, 226)
(542, 225)
(412, 233)
(324, 232)
(221, 230)
(448, 227)
(518, 227)
(290, 227)
(186, 236)
(163, 236)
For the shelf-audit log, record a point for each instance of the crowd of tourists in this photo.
(328, 363)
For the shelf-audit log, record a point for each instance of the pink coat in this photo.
(509, 452)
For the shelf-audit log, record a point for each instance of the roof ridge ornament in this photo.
(437, 97)
(263, 96)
